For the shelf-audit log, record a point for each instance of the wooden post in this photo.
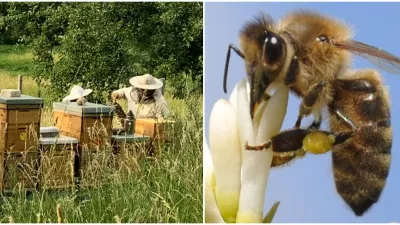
(163, 87)
(20, 83)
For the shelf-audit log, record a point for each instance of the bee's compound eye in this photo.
(273, 48)
(322, 38)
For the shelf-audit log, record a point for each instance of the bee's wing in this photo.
(377, 56)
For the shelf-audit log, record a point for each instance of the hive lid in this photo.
(88, 108)
(62, 140)
(49, 131)
(22, 100)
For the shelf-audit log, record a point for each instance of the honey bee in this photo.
(311, 53)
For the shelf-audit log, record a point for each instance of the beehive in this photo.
(128, 149)
(19, 122)
(19, 132)
(57, 162)
(90, 123)
(21, 171)
(154, 128)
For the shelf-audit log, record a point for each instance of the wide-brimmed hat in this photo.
(146, 81)
(77, 92)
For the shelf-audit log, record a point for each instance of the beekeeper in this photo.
(77, 94)
(144, 97)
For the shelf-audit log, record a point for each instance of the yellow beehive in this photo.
(91, 124)
(19, 132)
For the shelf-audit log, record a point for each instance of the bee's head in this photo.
(262, 47)
(265, 55)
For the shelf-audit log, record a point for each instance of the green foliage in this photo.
(91, 51)
(26, 21)
(271, 213)
(171, 35)
(100, 45)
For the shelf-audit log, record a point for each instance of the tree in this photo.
(171, 35)
(100, 45)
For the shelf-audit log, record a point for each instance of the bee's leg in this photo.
(286, 141)
(308, 102)
(316, 123)
(294, 140)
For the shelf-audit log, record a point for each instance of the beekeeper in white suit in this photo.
(144, 97)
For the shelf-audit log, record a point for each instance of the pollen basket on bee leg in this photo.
(318, 142)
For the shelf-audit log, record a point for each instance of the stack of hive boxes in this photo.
(19, 132)
(57, 160)
(91, 124)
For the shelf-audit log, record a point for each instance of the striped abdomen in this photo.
(361, 165)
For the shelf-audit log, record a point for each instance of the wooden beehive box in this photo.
(57, 162)
(21, 171)
(19, 123)
(19, 132)
(128, 149)
(154, 128)
(91, 123)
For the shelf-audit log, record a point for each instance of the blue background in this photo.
(306, 187)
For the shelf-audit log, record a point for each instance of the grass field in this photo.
(165, 188)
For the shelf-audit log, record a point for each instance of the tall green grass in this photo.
(164, 188)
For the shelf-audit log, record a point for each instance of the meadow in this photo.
(165, 188)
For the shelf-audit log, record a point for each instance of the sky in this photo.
(306, 188)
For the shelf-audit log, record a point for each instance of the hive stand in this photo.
(91, 124)
(19, 132)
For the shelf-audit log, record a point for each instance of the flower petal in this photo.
(256, 164)
(226, 157)
(243, 109)
(273, 115)
(212, 214)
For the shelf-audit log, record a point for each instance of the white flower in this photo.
(235, 178)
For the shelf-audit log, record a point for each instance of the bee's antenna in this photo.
(228, 56)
